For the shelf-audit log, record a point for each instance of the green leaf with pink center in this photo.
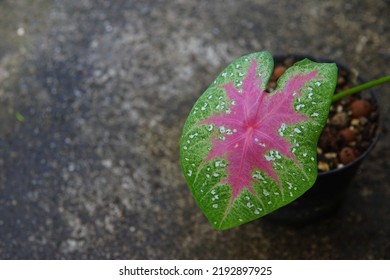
(245, 152)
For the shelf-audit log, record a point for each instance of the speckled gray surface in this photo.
(104, 87)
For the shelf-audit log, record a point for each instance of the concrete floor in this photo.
(93, 96)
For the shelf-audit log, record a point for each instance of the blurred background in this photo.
(93, 97)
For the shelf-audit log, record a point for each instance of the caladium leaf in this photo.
(245, 152)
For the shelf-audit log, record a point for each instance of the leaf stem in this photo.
(359, 88)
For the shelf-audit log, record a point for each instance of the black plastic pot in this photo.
(330, 188)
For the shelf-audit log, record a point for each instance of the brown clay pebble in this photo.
(347, 155)
(278, 71)
(348, 135)
(340, 119)
(360, 108)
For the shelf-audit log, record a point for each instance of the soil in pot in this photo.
(351, 131)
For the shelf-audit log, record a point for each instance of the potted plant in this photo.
(245, 152)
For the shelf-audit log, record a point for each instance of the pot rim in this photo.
(361, 80)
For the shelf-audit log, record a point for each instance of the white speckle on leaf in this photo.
(189, 173)
(315, 115)
(185, 148)
(215, 174)
(310, 95)
(265, 192)
(295, 93)
(318, 84)
(279, 165)
(210, 128)
(297, 130)
(222, 129)
(269, 158)
(310, 88)
(216, 197)
(258, 176)
(282, 129)
(240, 74)
(299, 106)
(277, 155)
(204, 107)
(305, 154)
(269, 202)
(237, 66)
(293, 150)
(289, 185)
(208, 176)
(213, 192)
(249, 205)
(224, 74)
(215, 205)
(312, 158)
(291, 194)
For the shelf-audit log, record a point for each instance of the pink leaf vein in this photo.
(253, 122)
